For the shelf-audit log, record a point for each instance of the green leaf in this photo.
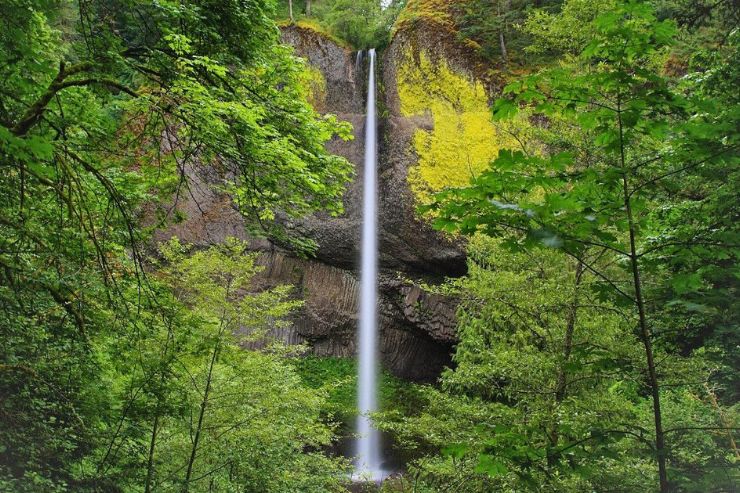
(685, 283)
(490, 466)
(40, 148)
(457, 450)
(504, 109)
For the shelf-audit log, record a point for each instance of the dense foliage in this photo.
(548, 391)
(113, 375)
(598, 324)
(637, 186)
(493, 26)
(362, 24)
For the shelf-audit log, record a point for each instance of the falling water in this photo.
(368, 463)
(358, 62)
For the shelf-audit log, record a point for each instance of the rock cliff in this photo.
(417, 328)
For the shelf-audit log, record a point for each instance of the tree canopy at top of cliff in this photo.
(362, 24)
(503, 31)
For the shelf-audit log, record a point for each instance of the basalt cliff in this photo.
(434, 131)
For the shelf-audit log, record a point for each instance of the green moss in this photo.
(314, 85)
(434, 11)
(464, 139)
(315, 27)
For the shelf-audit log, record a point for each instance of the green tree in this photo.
(652, 138)
(363, 23)
(546, 389)
(248, 418)
(105, 108)
(493, 25)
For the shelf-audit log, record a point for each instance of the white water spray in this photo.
(368, 464)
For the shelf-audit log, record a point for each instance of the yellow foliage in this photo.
(463, 140)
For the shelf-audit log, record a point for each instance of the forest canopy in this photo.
(596, 342)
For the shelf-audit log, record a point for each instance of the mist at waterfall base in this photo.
(367, 449)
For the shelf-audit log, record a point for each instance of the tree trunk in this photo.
(504, 53)
(290, 10)
(201, 414)
(570, 327)
(223, 325)
(562, 381)
(645, 332)
(150, 459)
(158, 408)
(308, 8)
(503, 30)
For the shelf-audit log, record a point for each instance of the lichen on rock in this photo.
(428, 11)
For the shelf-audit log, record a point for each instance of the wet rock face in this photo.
(337, 237)
(405, 242)
(439, 132)
(344, 77)
(416, 328)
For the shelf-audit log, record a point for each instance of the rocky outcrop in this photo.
(337, 237)
(437, 95)
(416, 327)
(406, 243)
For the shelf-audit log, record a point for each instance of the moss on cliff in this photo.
(314, 27)
(439, 15)
(435, 11)
(314, 85)
(463, 139)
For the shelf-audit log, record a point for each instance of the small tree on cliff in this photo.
(650, 140)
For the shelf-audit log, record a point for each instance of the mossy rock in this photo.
(313, 26)
(462, 139)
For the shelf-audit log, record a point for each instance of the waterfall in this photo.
(358, 62)
(368, 461)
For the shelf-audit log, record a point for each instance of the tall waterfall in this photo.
(368, 443)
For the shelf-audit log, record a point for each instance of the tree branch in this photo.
(60, 82)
